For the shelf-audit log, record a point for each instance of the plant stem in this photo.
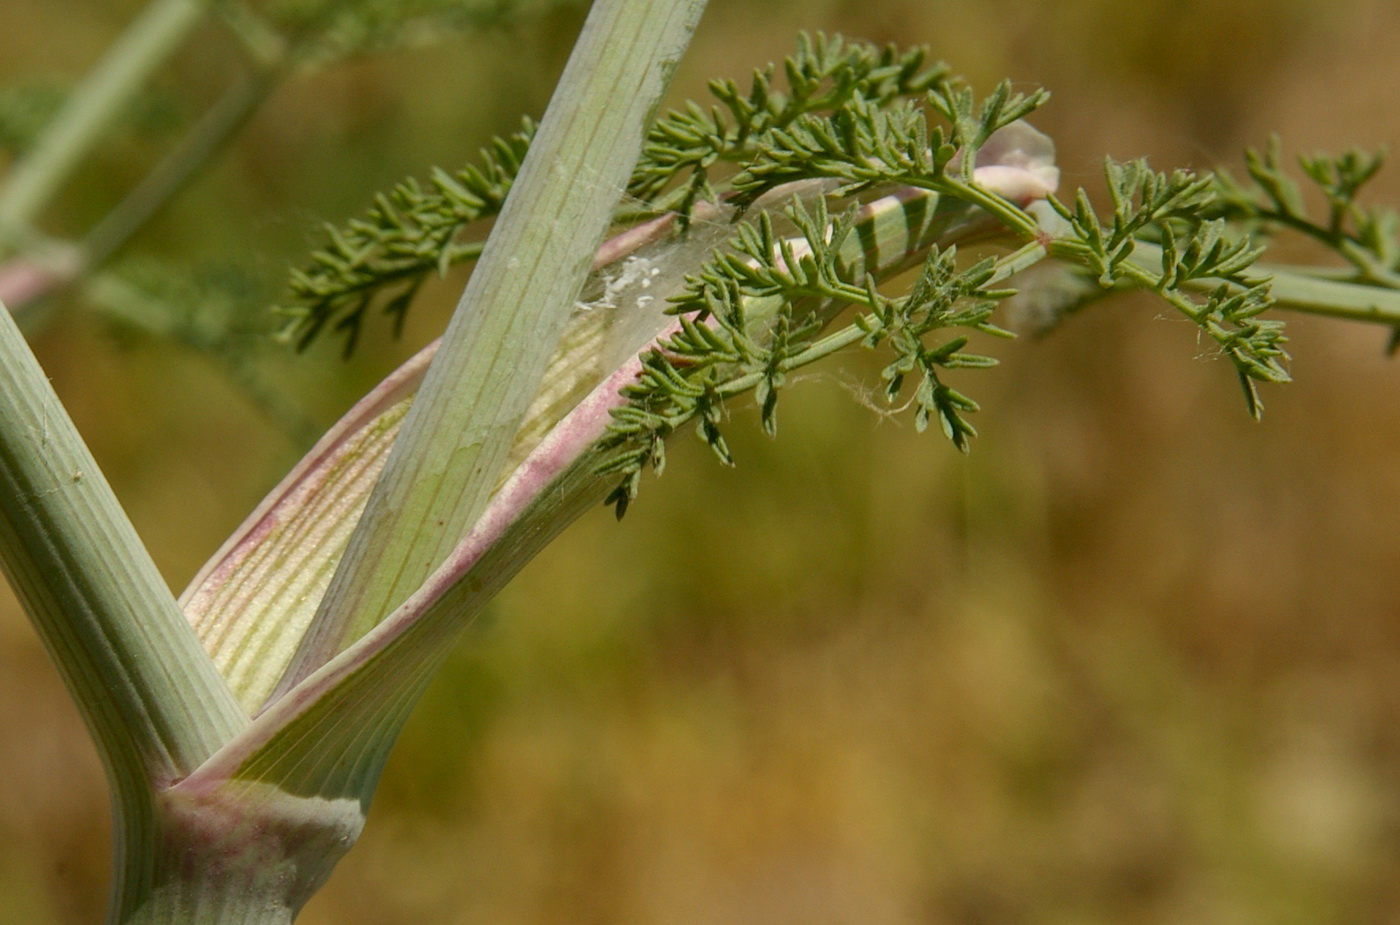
(194, 151)
(151, 696)
(1298, 289)
(1303, 292)
(273, 58)
(46, 265)
(456, 437)
(98, 101)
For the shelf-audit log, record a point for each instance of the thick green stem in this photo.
(455, 440)
(230, 854)
(98, 101)
(150, 694)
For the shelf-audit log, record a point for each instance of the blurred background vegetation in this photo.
(1136, 659)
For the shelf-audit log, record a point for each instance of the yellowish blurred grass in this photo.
(1134, 660)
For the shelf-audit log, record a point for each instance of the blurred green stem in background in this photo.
(102, 97)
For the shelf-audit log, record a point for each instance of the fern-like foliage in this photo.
(760, 309)
(875, 161)
(1202, 268)
(868, 143)
(1159, 235)
(826, 76)
(1367, 236)
(419, 229)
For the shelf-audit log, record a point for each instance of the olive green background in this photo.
(1136, 659)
